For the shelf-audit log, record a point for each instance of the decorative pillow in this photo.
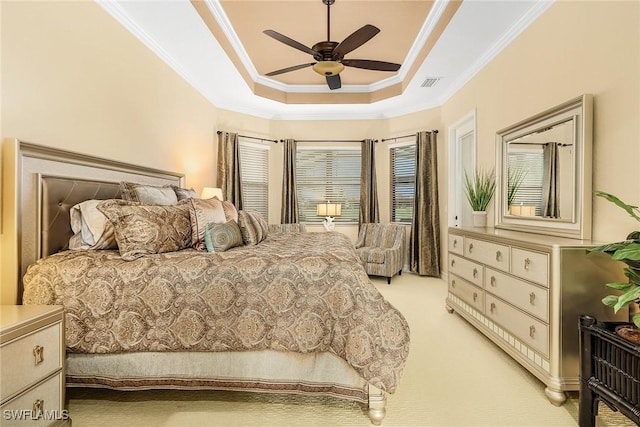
(148, 229)
(184, 193)
(92, 230)
(230, 211)
(203, 212)
(220, 237)
(253, 227)
(148, 194)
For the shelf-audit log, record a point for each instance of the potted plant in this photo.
(628, 252)
(514, 181)
(479, 190)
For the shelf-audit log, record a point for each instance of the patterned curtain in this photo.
(368, 186)
(424, 243)
(229, 168)
(550, 206)
(289, 209)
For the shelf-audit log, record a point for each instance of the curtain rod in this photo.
(329, 140)
(394, 138)
(253, 137)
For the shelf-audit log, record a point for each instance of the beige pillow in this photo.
(253, 227)
(148, 194)
(203, 212)
(230, 211)
(91, 228)
(148, 229)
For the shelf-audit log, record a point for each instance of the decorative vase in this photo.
(479, 218)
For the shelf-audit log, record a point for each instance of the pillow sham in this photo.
(184, 193)
(147, 229)
(253, 227)
(201, 213)
(148, 194)
(230, 211)
(91, 228)
(220, 237)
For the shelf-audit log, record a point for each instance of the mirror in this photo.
(544, 172)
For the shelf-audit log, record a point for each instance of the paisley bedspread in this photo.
(299, 292)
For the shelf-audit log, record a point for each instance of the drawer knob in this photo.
(498, 256)
(470, 247)
(475, 296)
(453, 283)
(38, 354)
(455, 243)
(492, 307)
(475, 273)
(532, 298)
(38, 406)
(527, 263)
(532, 331)
(492, 281)
(453, 263)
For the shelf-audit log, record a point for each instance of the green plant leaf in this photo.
(627, 298)
(609, 247)
(620, 286)
(633, 274)
(610, 300)
(636, 319)
(613, 199)
(630, 251)
(480, 188)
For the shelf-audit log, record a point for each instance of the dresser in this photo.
(526, 292)
(32, 365)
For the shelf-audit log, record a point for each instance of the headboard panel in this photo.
(59, 195)
(43, 183)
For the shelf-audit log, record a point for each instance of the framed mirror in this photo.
(543, 172)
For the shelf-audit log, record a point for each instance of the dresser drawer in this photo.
(489, 253)
(530, 265)
(47, 396)
(468, 292)
(456, 244)
(466, 269)
(530, 298)
(18, 367)
(530, 331)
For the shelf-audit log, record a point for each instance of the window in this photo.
(403, 176)
(531, 162)
(254, 169)
(328, 175)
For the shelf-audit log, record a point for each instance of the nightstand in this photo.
(32, 355)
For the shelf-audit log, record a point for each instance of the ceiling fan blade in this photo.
(334, 81)
(368, 64)
(290, 42)
(293, 68)
(355, 40)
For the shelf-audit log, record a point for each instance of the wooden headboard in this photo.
(44, 183)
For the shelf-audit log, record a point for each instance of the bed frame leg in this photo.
(377, 405)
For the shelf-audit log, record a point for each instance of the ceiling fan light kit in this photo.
(329, 55)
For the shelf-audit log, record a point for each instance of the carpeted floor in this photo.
(454, 377)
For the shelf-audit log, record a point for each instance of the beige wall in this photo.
(73, 78)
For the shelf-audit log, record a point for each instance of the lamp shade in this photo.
(210, 192)
(329, 209)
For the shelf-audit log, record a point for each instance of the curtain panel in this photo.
(229, 177)
(550, 202)
(369, 211)
(424, 242)
(289, 211)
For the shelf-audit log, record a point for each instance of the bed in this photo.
(295, 313)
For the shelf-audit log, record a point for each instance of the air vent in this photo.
(430, 81)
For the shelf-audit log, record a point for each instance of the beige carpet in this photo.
(454, 377)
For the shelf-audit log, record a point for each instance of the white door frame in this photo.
(457, 199)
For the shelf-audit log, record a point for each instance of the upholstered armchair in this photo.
(287, 228)
(381, 249)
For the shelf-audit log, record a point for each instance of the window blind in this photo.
(403, 175)
(328, 175)
(254, 169)
(531, 162)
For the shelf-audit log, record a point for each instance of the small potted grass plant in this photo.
(628, 252)
(479, 189)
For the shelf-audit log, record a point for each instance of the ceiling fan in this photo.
(329, 55)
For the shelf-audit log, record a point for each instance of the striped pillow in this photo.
(253, 227)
